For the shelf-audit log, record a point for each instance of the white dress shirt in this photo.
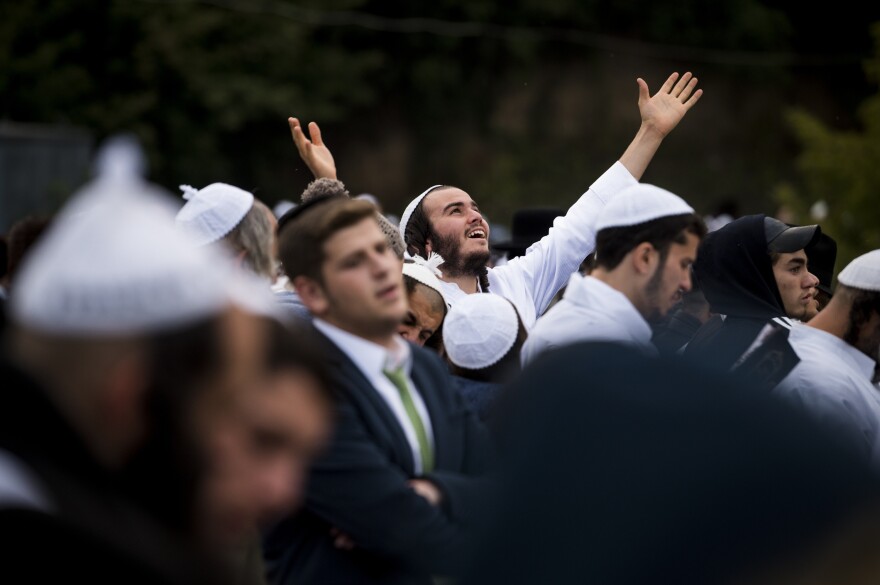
(590, 310)
(371, 359)
(833, 382)
(530, 282)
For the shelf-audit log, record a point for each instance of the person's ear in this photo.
(644, 259)
(429, 247)
(312, 294)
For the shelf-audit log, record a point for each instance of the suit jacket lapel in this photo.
(360, 391)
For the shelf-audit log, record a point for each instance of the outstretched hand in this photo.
(313, 152)
(667, 107)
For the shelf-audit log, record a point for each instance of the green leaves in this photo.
(842, 169)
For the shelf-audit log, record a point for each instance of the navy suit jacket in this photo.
(359, 486)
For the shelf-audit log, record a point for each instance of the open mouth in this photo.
(475, 234)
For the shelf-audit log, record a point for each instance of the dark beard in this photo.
(652, 292)
(454, 263)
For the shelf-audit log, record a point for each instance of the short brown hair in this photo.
(614, 243)
(253, 236)
(301, 240)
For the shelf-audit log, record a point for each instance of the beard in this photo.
(652, 294)
(454, 262)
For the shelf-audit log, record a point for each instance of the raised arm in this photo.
(538, 276)
(313, 152)
(660, 114)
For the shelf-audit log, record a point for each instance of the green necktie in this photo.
(398, 378)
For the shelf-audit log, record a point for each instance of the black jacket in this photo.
(359, 486)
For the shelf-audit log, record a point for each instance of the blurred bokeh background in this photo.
(521, 103)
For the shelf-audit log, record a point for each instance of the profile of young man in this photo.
(646, 241)
(752, 271)
(395, 494)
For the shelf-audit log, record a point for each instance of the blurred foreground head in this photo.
(624, 469)
(260, 458)
(142, 341)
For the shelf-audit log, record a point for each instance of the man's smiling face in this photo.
(458, 231)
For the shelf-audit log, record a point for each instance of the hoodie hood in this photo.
(734, 271)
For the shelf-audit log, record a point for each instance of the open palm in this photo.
(313, 152)
(668, 106)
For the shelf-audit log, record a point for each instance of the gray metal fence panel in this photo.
(39, 167)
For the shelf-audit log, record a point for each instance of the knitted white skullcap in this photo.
(426, 272)
(479, 330)
(407, 213)
(638, 204)
(211, 213)
(862, 273)
(113, 263)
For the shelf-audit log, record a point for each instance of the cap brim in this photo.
(794, 239)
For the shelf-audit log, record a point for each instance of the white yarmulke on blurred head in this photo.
(479, 330)
(211, 213)
(639, 204)
(426, 272)
(114, 264)
(862, 273)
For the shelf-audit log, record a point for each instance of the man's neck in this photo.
(466, 282)
(830, 320)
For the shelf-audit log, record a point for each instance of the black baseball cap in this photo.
(786, 239)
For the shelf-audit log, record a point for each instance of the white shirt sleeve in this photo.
(535, 278)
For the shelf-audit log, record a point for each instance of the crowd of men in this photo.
(213, 393)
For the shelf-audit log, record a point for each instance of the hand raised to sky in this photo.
(313, 152)
(665, 109)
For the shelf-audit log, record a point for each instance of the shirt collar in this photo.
(371, 358)
(595, 295)
(863, 363)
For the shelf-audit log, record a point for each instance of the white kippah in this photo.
(862, 273)
(112, 263)
(638, 204)
(426, 272)
(407, 213)
(211, 213)
(479, 330)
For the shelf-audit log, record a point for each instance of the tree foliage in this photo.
(841, 169)
(520, 101)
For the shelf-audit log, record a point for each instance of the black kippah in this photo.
(303, 207)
